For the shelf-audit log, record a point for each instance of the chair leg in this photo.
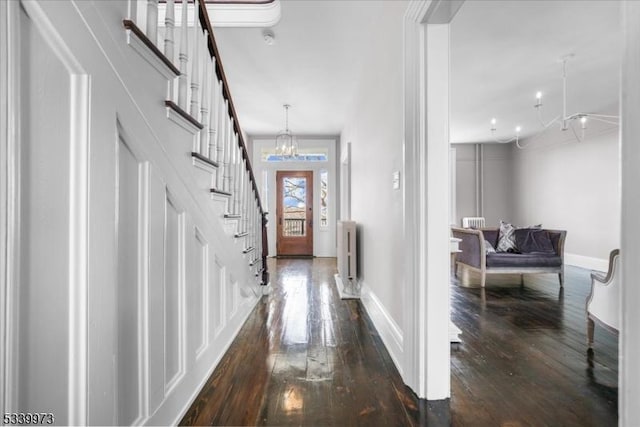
(483, 279)
(561, 278)
(590, 325)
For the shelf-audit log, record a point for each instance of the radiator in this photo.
(473, 222)
(346, 279)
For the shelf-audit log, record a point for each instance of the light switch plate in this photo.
(396, 180)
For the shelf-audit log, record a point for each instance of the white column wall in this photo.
(436, 385)
(629, 374)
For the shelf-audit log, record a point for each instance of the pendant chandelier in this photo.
(566, 121)
(286, 143)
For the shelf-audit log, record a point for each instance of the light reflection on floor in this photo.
(296, 310)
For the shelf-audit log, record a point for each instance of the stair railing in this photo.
(201, 95)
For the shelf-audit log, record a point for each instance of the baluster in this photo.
(259, 249)
(236, 177)
(222, 131)
(249, 241)
(259, 241)
(219, 114)
(183, 57)
(256, 228)
(205, 105)
(252, 240)
(235, 182)
(195, 65)
(227, 155)
(152, 21)
(232, 174)
(256, 243)
(169, 28)
(227, 151)
(213, 113)
(245, 214)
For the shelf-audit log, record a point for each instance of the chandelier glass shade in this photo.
(565, 120)
(286, 142)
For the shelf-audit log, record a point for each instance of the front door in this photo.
(294, 213)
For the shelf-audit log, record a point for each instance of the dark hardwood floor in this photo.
(524, 359)
(305, 357)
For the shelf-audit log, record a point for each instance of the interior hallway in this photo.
(304, 357)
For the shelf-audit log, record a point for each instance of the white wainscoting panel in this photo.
(156, 313)
(128, 349)
(42, 229)
(173, 293)
(216, 295)
(200, 294)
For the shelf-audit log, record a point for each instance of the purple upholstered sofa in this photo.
(534, 258)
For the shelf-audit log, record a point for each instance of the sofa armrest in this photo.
(472, 247)
(557, 239)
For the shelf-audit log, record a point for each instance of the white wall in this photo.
(324, 238)
(374, 129)
(125, 284)
(565, 184)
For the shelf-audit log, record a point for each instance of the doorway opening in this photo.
(294, 213)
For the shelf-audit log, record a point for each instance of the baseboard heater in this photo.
(347, 277)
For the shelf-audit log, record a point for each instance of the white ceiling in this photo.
(502, 52)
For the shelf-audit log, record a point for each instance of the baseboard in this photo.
(387, 328)
(586, 262)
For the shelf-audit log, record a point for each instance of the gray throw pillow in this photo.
(488, 247)
(506, 238)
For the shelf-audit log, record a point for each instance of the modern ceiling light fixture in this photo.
(565, 120)
(286, 143)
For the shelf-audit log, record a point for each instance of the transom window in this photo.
(304, 155)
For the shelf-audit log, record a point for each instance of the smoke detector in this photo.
(269, 37)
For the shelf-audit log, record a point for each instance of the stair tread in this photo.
(220, 192)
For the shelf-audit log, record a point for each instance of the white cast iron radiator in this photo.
(346, 279)
(473, 222)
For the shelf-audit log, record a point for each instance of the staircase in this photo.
(135, 232)
(199, 100)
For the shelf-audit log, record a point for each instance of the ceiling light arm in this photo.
(508, 140)
(565, 120)
(564, 92)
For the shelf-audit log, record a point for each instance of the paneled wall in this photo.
(484, 182)
(125, 281)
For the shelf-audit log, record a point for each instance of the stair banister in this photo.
(233, 135)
